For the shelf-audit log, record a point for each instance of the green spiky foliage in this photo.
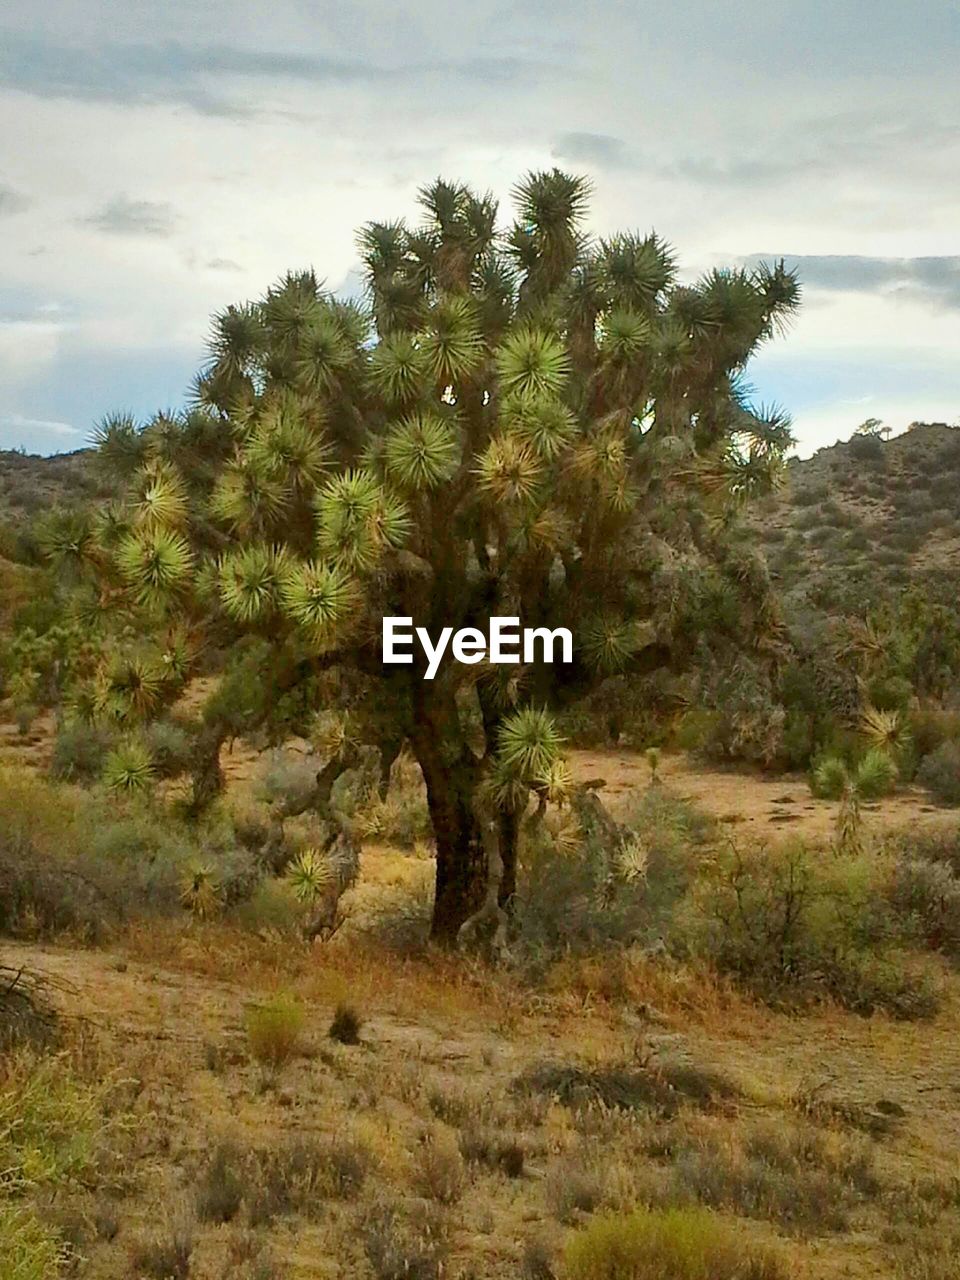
(129, 769)
(519, 421)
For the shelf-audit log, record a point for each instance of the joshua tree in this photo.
(523, 423)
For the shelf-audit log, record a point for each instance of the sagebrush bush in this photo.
(791, 926)
(805, 1179)
(81, 863)
(584, 884)
(925, 894)
(274, 1031)
(939, 772)
(79, 751)
(666, 1244)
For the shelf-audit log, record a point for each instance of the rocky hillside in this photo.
(867, 517)
(31, 485)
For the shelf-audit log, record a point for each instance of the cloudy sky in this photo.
(158, 161)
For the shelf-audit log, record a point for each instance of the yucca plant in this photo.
(310, 875)
(129, 768)
(520, 420)
(201, 892)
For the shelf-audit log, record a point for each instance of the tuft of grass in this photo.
(671, 1244)
(167, 1255)
(439, 1169)
(404, 1247)
(221, 1188)
(346, 1024)
(28, 1251)
(274, 1031)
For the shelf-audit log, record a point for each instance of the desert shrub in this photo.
(939, 772)
(274, 1031)
(659, 1087)
(81, 863)
(803, 1178)
(296, 1177)
(931, 726)
(488, 1147)
(666, 1244)
(79, 751)
(829, 777)
(576, 1182)
(170, 747)
(936, 845)
(925, 895)
(28, 1018)
(345, 1025)
(288, 780)
(271, 906)
(793, 928)
(28, 1249)
(53, 1122)
(868, 448)
(876, 774)
(585, 883)
(810, 495)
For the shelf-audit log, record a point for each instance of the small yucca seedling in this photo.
(201, 892)
(632, 859)
(309, 875)
(128, 768)
(274, 1030)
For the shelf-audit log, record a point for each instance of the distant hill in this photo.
(863, 519)
(31, 485)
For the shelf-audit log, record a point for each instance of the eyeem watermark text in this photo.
(506, 643)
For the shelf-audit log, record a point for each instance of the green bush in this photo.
(793, 928)
(876, 774)
(170, 747)
(925, 894)
(80, 751)
(939, 772)
(585, 883)
(829, 777)
(80, 862)
(274, 1031)
(666, 1244)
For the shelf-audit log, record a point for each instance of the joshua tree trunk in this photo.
(451, 775)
